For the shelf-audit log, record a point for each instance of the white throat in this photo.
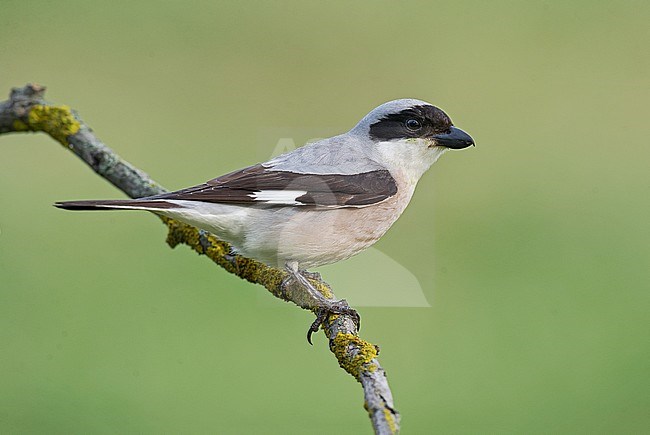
(409, 157)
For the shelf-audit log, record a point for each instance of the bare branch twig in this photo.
(26, 111)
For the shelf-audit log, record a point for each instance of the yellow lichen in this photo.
(353, 353)
(390, 419)
(57, 121)
(217, 250)
(331, 318)
(20, 126)
(245, 268)
(323, 289)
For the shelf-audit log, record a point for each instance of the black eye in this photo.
(413, 124)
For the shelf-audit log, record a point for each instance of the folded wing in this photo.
(259, 185)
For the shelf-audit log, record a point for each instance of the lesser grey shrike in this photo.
(320, 203)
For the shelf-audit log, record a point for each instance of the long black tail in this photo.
(117, 204)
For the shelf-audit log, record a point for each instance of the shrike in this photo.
(320, 203)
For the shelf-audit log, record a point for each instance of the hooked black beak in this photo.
(456, 139)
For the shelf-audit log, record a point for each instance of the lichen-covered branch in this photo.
(27, 111)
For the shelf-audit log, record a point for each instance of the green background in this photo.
(532, 248)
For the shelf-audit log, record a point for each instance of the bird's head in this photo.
(410, 134)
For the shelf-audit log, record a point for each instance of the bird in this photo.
(320, 203)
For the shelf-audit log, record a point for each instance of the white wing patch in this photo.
(281, 197)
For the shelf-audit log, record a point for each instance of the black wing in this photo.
(265, 186)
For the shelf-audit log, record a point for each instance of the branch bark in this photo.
(27, 111)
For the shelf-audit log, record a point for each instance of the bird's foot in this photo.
(311, 275)
(340, 306)
(324, 306)
(286, 284)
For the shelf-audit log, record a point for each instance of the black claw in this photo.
(357, 320)
(321, 315)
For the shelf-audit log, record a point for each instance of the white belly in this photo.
(311, 237)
